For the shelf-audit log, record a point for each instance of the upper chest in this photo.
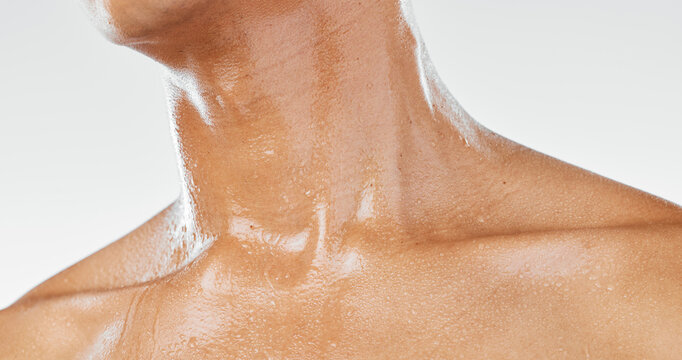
(482, 298)
(435, 300)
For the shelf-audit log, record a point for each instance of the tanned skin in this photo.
(337, 203)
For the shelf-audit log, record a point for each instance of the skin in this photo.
(338, 203)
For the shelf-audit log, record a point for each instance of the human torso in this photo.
(601, 293)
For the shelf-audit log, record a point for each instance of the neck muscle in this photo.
(321, 116)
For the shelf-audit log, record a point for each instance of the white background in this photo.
(86, 155)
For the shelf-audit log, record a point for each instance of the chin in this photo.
(127, 22)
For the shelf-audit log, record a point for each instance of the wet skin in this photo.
(338, 203)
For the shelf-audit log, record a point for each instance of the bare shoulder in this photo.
(145, 253)
(600, 292)
(83, 305)
(627, 289)
(541, 192)
(66, 327)
(640, 267)
(638, 258)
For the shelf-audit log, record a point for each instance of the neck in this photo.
(323, 116)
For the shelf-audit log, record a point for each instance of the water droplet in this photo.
(192, 342)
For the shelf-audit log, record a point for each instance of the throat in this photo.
(312, 122)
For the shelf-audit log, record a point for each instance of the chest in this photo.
(395, 316)
(419, 305)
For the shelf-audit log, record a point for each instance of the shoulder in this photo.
(596, 259)
(629, 290)
(627, 257)
(68, 327)
(616, 289)
(610, 292)
(84, 304)
(142, 255)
